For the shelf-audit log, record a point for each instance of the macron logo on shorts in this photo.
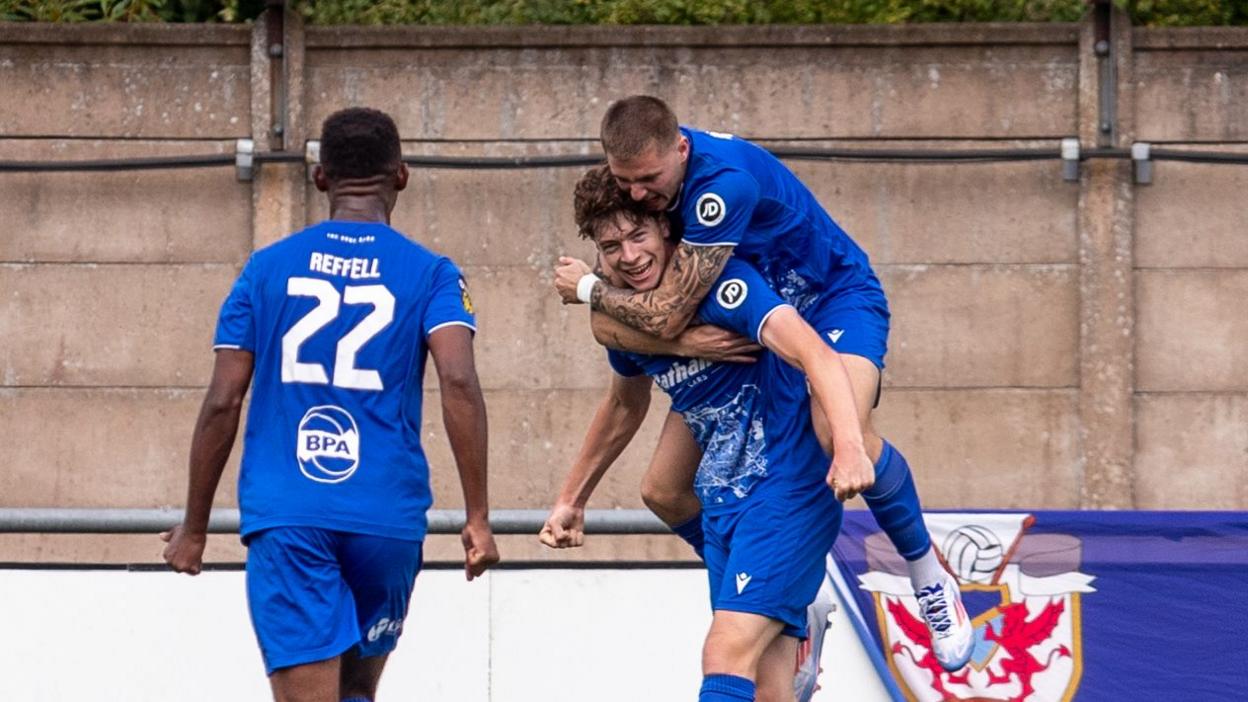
(743, 579)
(835, 335)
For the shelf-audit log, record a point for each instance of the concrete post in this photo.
(279, 191)
(1106, 285)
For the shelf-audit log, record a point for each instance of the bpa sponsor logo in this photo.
(328, 447)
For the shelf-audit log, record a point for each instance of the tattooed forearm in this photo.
(666, 310)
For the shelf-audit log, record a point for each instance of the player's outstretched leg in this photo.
(730, 658)
(895, 504)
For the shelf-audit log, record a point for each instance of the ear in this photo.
(401, 176)
(319, 179)
(682, 146)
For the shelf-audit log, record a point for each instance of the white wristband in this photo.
(585, 287)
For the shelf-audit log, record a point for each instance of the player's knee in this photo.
(731, 650)
(669, 503)
(359, 677)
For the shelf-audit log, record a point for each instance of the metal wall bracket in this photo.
(311, 155)
(244, 159)
(1070, 160)
(1141, 158)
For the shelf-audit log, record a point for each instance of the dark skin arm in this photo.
(463, 414)
(663, 312)
(215, 430)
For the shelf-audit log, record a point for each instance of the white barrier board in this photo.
(513, 636)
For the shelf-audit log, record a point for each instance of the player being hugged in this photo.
(768, 516)
(336, 322)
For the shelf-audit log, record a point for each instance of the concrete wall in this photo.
(1056, 345)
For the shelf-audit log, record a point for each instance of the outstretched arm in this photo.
(797, 343)
(463, 414)
(663, 312)
(211, 443)
(617, 420)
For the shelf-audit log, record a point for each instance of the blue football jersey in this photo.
(752, 420)
(338, 316)
(737, 193)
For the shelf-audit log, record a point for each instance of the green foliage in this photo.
(686, 12)
(622, 12)
(1186, 13)
(53, 10)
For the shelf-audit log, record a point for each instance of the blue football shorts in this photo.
(766, 555)
(853, 322)
(316, 593)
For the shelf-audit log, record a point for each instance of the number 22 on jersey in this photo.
(346, 375)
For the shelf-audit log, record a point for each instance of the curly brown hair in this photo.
(598, 199)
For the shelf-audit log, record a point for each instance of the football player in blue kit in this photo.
(769, 517)
(337, 321)
(728, 198)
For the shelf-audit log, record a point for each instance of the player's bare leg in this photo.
(667, 486)
(775, 671)
(310, 682)
(360, 676)
(734, 646)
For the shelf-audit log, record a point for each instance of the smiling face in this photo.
(634, 251)
(652, 177)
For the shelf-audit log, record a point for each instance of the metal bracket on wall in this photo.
(1142, 160)
(244, 159)
(311, 155)
(1070, 160)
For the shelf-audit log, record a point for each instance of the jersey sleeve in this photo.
(719, 209)
(449, 301)
(740, 300)
(622, 364)
(236, 324)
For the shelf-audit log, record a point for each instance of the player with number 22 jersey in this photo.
(350, 305)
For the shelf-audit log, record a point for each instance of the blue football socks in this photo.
(719, 687)
(691, 532)
(895, 504)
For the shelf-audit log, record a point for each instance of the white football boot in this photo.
(810, 651)
(953, 635)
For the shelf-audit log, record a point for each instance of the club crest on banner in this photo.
(1022, 592)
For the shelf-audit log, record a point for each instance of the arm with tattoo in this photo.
(666, 310)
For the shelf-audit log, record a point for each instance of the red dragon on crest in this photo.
(1017, 635)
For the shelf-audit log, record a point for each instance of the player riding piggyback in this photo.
(738, 194)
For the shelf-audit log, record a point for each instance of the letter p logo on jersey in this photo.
(328, 444)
